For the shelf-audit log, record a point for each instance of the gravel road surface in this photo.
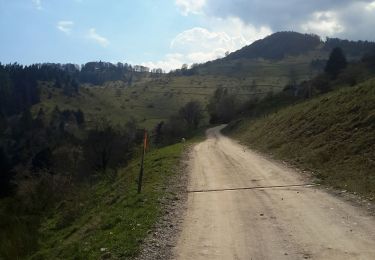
(244, 206)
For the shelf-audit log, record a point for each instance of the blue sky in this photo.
(164, 33)
(80, 31)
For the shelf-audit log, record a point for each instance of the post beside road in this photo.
(142, 162)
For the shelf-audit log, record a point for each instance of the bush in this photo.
(107, 146)
(181, 125)
(192, 114)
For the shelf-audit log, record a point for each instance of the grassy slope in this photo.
(110, 214)
(151, 100)
(332, 135)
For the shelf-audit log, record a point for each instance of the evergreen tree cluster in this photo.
(336, 62)
(99, 72)
(19, 85)
(18, 89)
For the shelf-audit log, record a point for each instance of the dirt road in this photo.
(228, 217)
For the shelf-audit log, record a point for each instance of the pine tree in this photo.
(336, 62)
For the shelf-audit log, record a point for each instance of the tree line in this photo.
(97, 73)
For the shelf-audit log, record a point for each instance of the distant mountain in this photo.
(281, 44)
(281, 54)
(277, 46)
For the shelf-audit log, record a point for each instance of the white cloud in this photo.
(324, 24)
(93, 35)
(170, 62)
(65, 26)
(201, 44)
(198, 38)
(200, 57)
(241, 34)
(370, 7)
(190, 6)
(38, 4)
(198, 44)
(350, 19)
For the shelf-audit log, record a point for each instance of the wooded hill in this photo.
(282, 44)
(306, 54)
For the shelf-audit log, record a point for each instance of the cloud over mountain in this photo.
(339, 18)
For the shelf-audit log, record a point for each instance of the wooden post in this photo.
(142, 162)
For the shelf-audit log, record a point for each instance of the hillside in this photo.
(332, 135)
(265, 66)
(151, 100)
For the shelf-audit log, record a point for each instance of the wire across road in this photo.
(307, 185)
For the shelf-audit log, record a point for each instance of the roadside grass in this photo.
(110, 218)
(332, 136)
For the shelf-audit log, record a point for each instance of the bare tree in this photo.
(192, 113)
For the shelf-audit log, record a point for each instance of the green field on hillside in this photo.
(332, 135)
